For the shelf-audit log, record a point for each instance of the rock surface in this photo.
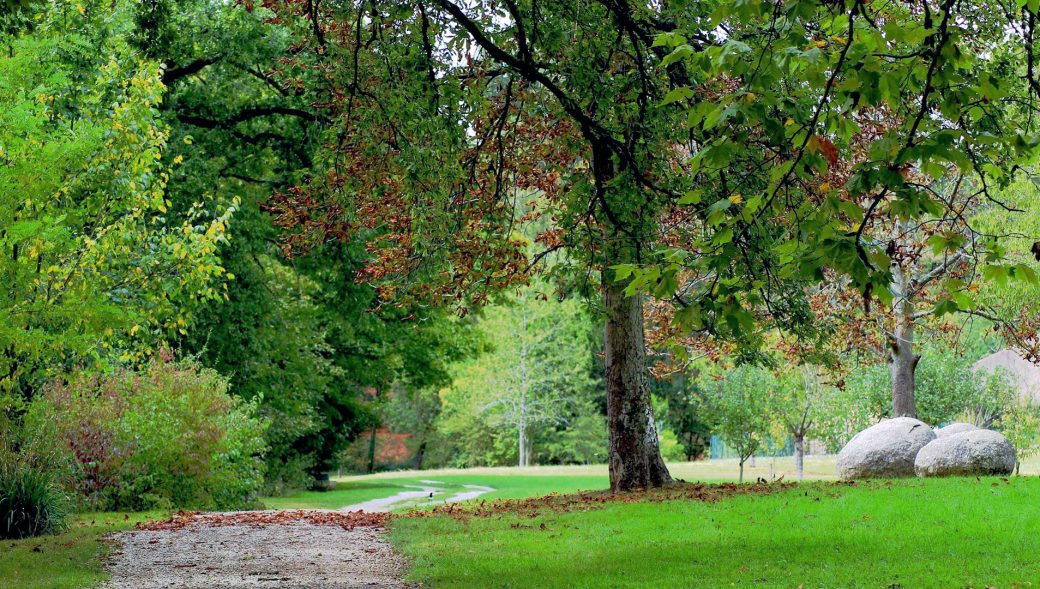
(885, 450)
(955, 428)
(969, 453)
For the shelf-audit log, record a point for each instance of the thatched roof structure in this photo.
(1024, 374)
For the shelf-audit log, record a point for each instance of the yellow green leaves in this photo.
(93, 266)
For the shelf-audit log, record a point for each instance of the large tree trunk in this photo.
(634, 455)
(902, 360)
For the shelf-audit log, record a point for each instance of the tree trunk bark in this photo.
(799, 456)
(420, 455)
(372, 450)
(634, 455)
(522, 421)
(522, 443)
(740, 479)
(902, 360)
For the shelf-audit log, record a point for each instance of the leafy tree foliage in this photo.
(533, 387)
(731, 156)
(736, 404)
(302, 338)
(801, 400)
(679, 394)
(96, 268)
(1020, 423)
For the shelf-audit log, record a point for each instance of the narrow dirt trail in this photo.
(287, 550)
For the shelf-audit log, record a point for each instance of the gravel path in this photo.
(293, 553)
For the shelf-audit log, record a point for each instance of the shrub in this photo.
(31, 500)
(169, 436)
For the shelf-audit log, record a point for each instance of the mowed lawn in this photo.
(955, 533)
(515, 483)
(508, 484)
(942, 533)
(69, 560)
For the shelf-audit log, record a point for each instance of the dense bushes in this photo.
(168, 436)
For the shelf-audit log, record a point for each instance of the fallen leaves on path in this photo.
(531, 507)
(347, 520)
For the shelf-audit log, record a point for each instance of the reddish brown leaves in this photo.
(556, 503)
(346, 520)
(825, 147)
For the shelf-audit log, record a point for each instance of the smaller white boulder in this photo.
(884, 450)
(955, 428)
(969, 453)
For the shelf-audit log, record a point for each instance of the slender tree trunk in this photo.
(799, 456)
(902, 360)
(522, 421)
(740, 479)
(522, 444)
(420, 455)
(372, 450)
(634, 455)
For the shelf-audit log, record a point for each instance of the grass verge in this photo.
(915, 533)
(69, 560)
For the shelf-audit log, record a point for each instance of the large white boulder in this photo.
(955, 428)
(884, 450)
(975, 452)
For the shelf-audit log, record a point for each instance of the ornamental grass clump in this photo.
(31, 500)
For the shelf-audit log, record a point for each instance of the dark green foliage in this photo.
(152, 34)
(15, 16)
(31, 501)
(297, 336)
(682, 415)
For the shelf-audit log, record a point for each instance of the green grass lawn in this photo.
(512, 482)
(918, 533)
(508, 484)
(70, 560)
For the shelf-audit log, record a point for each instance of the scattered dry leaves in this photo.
(345, 519)
(558, 503)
